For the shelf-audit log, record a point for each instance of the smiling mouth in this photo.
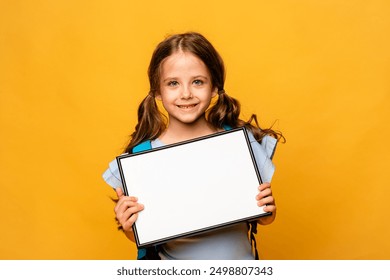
(186, 106)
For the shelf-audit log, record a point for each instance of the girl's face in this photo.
(185, 88)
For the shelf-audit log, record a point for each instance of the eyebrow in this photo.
(193, 78)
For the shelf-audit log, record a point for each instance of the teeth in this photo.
(186, 107)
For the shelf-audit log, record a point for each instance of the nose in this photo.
(186, 93)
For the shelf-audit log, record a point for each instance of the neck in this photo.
(177, 132)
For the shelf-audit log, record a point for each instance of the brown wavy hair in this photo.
(226, 111)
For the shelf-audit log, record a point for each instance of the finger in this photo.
(270, 208)
(264, 193)
(264, 186)
(124, 212)
(125, 202)
(128, 225)
(127, 218)
(269, 200)
(133, 210)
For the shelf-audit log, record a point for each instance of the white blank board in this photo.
(191, 187)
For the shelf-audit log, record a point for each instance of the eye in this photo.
(173, 83)
(198, 82)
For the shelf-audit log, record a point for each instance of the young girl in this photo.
(185, 73)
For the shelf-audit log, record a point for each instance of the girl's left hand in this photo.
(266, 200)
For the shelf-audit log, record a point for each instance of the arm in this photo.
(267, 201)
(126, 212)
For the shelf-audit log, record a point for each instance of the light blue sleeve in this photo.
(111, 175)
(263, 155)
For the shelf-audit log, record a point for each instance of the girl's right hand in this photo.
(126, 210)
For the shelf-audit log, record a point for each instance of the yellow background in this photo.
(72, 74)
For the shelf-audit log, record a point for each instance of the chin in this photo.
(190, 121)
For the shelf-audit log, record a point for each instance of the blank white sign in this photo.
(193, 186)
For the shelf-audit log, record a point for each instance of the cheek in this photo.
(165, 94)
(167, 99)
(209, 94)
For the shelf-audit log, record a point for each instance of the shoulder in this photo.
(268, 143)
(143, 146)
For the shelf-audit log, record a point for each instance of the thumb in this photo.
(119, 192)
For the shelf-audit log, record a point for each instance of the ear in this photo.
(214, 92)
(158, 96)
